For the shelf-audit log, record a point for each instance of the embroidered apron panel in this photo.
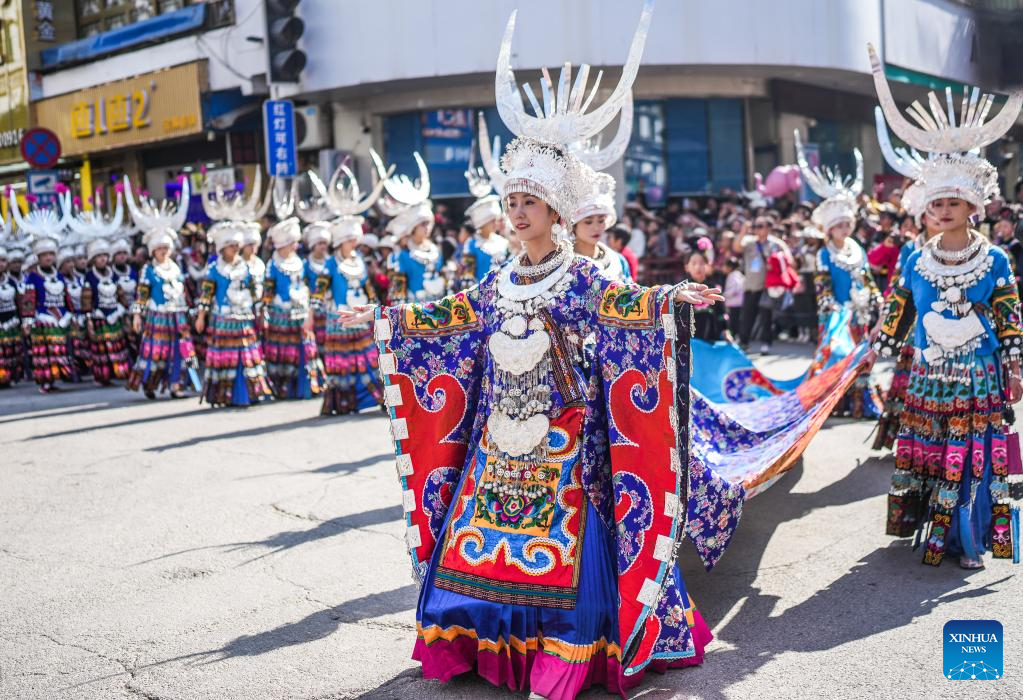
(519, 546)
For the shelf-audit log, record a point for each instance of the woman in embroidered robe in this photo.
(846, 289)
(235, 373)
(350, 355)
(166, 357)
(11, 346)
(543, 504)
(104, 317)
(288, 341)
(45, 318)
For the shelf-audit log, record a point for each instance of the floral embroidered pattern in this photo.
(453, 314)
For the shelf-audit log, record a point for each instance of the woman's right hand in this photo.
(357, 315)
(136, 324)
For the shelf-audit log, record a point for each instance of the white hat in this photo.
(64, 254)
(251, 233)
(598, 198)
(387, 242)
(285, 233)
(100, 246)
(15, 253)
(344, 229)
(121, 245)
(405, 222)
(160, 238)
(80, 251)
(3, 253)
(484, 210)
(31, 260)
(317, 232)
(225, 233)
(42, 245)
(370, 240)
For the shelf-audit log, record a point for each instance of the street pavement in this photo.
(167, 550)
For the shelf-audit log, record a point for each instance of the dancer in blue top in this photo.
(166, 356)
(289, 345)
(959, 295)
(488, 248)
(235, 372)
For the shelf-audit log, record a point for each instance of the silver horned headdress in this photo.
(88, 225)
(149, 215)
(403, 193)
(44, 227)
(954, 167)
(563, 119)
(839, 193)
(547, 157)
(221, 205)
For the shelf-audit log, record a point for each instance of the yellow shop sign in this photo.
(150, 107)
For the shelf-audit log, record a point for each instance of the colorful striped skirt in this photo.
(888, 427)
(12, 349)
(235, 374)
(951, 460)
(350, 361)
(108, 348)
(291, 359)
(166, 355)
(49, 348)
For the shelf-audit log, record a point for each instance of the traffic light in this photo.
(283, 30)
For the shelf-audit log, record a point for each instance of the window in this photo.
(95, 16)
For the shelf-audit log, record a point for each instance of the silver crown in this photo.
(148, 215)
(402, 192)
(492, 157)
(600, 157)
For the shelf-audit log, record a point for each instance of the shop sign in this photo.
(151, 107)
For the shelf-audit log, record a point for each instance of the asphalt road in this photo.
(167, 550)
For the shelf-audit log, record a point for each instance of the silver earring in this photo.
(557, 231)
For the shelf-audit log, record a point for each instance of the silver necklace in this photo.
(956, 256)
(849, 257)
(523, 269)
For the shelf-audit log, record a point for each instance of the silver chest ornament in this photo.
(521, 352)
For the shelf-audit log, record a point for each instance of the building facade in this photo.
(156, 88)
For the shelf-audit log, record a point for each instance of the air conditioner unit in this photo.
(312, 127)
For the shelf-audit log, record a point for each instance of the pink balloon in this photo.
(780, 181)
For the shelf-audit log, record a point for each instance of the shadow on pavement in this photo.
(337, 469)
(122, 424)
(247, 432)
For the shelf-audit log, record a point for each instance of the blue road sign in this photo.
(281, 144)
(43, 185)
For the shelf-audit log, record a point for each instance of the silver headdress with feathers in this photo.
(220, 205)
(45, 228)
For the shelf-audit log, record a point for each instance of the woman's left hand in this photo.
(698, 294)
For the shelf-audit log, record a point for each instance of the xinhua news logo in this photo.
(972, 650)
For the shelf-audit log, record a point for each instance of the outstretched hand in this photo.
(356, 315)
(698, 294)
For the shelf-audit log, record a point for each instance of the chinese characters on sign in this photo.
(149, 107)
(281, 145)
(115, 113)
(45, 29)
